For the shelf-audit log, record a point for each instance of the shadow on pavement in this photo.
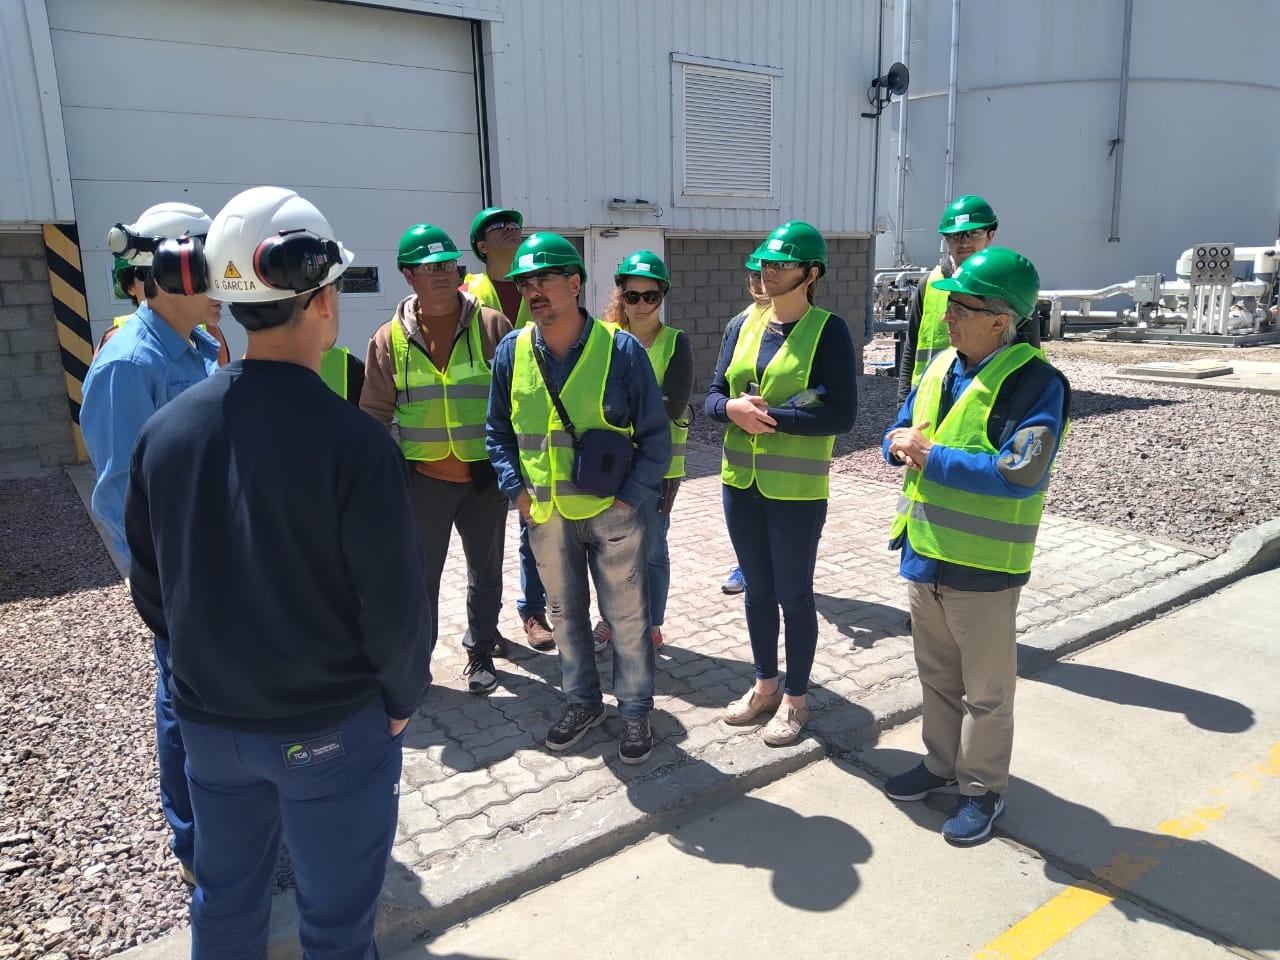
(1208, 711)
(1088, 403)
(864, 622)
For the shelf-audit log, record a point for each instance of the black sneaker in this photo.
(637, 741)
(481, 677)
(573, 725)
(916, 784)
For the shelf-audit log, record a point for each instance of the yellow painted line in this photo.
(75, 345)
(69, 295)
(61, 244)
(1031, 936)
(75, 389)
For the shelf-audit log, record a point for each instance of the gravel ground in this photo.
(85, 869)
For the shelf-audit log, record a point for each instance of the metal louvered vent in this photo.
(728, 133)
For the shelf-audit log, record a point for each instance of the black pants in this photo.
(481, 519)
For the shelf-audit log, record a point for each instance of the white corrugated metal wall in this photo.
(581, 110)
(1037, 109)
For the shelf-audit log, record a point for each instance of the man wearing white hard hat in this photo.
(293, 700)
(153, 358)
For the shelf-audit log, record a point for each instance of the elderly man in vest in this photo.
(428, 369)
(978, 436)
(582, 509)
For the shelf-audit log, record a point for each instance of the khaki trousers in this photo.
(967, 658)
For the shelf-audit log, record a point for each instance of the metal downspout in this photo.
(899, 248)
(952, 87)
(1117, 145)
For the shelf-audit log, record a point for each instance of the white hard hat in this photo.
(269, 244)
(164, 221)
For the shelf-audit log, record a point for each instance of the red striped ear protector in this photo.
(178, 266)
(296, 260)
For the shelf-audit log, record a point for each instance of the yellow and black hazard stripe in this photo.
(71, 313)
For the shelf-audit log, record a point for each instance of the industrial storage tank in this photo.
(1096, 177)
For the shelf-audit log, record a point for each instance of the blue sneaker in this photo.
(735, 583)
(973, 819)
(916, 784)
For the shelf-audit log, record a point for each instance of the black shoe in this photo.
(573, 725)
(481, 677)
(637, 741)
(916, 784)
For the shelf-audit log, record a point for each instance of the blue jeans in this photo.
(335, 793)
(533, 596)
(611, 547)
(175, 796)
(777, 546)
(656, 527)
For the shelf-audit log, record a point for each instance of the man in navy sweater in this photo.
(274, 550)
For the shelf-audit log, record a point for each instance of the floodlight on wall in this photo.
(883, 89)
(634, 206)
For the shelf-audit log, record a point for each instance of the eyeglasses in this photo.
(961, 312)
(539, 281)
(632, 297)
(964, 235)
(439, 266)
(337, 286)
(779, 266)
(501, 225)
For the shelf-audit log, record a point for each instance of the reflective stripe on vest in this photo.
(441, 413)
(784, 466)
(481, 287)
(660, 353)
(333, 370)
(546, 449)
(933, 337)
(972, 529)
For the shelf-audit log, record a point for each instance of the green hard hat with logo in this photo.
(794, 241)
(997, 272)
(546, 251)
(487, 216)
(753, 263)
(424, 243)
(969, 212)
(643, 263)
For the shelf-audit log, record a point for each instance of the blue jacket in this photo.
(140, 369)
(632, 398)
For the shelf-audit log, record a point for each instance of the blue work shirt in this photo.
(632, 399)
(975, 472)
(140, 369)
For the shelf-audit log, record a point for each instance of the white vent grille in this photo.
(727, 133)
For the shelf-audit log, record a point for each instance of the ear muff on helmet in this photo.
(179, 266)
(296, 260)
(123, 242)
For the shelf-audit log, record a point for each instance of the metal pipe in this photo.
(1117, 145)
(952, 85)
(899, 248)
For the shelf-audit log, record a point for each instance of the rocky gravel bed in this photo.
(1175, 463)
(85, 869)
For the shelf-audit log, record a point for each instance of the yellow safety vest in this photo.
(546, 449)
(333, 370)
(481, 287)
(782, 465)
(660, 353)
(441, 413)
(972, 529)
(933, 337)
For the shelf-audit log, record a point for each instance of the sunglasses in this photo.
(966, 235)
(780, 266)
(961, 312)
(439, 266)
(539, 281)
(337, 285)
(632, 297)
(501, 225)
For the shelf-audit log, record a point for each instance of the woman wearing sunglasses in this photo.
(784, 387)
(640, 283)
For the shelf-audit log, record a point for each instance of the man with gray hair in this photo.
(978, 436)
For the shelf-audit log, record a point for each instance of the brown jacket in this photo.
(378, 398)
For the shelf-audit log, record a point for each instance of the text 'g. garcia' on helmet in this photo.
(794, 242)
(643, 263)
(969, 212)
(997, 272)
(546, 251)
(137, 242)
(270, 244)
(425, 243)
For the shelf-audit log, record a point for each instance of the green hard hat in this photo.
(997, 272)
(121, 264)
(424, 243)
(546, 251)
(753, 263)
(643, 263)
(485, 217)
(795, 241)
(969, 212)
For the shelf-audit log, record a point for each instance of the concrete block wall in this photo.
(35, 421)
(709, 288)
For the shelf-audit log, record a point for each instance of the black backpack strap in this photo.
(1018, 394)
